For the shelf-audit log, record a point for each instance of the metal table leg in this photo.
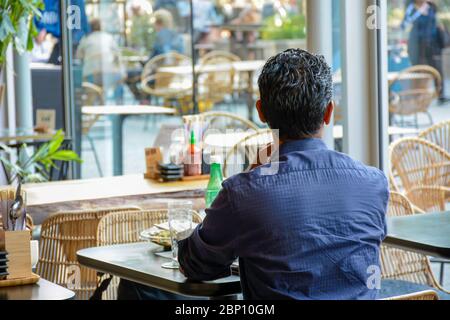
(117, 140)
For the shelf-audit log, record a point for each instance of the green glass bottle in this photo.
(215, 181)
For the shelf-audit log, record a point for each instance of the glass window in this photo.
(189, 57)
(419, 67)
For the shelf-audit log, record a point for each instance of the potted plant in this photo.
(35, 167)
(17, 27)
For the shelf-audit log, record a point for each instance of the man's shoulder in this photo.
(329, 160)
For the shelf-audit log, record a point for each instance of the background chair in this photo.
(405, 272)
(438, 134)
(125, 227)
(217, 78)
(62, 235)
(163, 85)
(245, 154)
(412, 92)
(92, 96)
(416, 162)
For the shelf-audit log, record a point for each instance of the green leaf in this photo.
(56, 142)
(66, 155)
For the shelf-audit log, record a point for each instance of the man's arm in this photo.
(210, 251)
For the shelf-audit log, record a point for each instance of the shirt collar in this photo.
(302, 145)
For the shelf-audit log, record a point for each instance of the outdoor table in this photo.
(43, 290)
(118, 115)
(138, 263)
(427, 233)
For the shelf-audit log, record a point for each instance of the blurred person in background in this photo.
(50, 24)
(166, 40)
(205, 17)
(427, 38)
(101, 61)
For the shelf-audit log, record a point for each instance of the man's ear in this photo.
(260, 112)
(329, 113)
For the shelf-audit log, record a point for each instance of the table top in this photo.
(126, 110)
(239, 66)
(229, 140)
(428, 234)
(43, 290)
(19, 135)
(138, 263)
(103, 188)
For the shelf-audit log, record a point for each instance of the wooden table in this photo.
(138, 263)
(44, 199)
(428, 234)
(118, 115)
(43, 290)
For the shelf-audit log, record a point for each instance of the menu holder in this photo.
(17, 246)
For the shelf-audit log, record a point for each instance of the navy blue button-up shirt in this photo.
(311, 231)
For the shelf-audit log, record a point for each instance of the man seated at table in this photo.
(313, 228)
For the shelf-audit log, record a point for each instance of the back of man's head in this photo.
(296, 88)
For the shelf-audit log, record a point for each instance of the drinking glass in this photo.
(180, 226)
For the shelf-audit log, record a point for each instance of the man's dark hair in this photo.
(296, 88)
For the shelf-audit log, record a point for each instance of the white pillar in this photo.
(360, 82)
(23, 93)
(319, 18)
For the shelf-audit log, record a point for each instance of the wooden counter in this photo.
(133, 190)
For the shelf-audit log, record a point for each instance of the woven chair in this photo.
(125, 227)
(429, 295)
(417, 162)
(429, 198)
(62, 235)
(240, 81)
(403, 265)
(215, 86)
(166, 85)
(245, 154)
(92, 95)
(413, 90)
(438, 134)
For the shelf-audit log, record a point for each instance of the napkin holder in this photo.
(17, 246)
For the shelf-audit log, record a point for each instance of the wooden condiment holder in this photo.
(17, 245)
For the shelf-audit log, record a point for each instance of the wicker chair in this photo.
(218, 85)
(92, 95)
(125, 227)
(416, 162)
(429, 295)
(429, 198)
(438, 134)
(402, 265)
(240, 81)
(419, 87)
(167, 86)
(245, 154)
(62, 235)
